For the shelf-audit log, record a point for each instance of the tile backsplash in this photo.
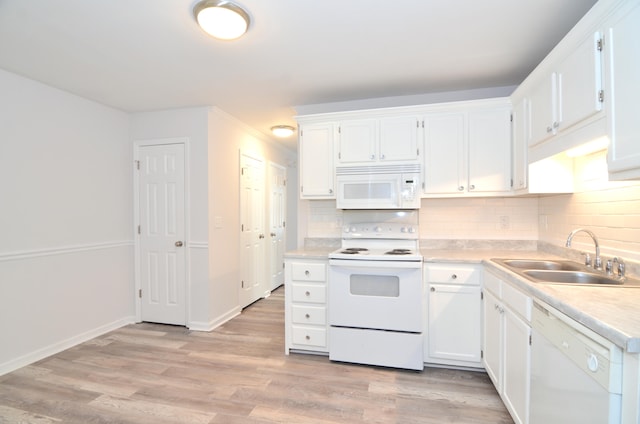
(490, 218)
(462, 219)
(613, 214)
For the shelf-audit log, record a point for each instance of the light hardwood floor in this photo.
(238, 373)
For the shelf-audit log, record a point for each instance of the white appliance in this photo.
(576, 375)
(376, 291)
(378, 187)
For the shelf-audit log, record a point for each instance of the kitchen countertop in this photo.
(612, 312)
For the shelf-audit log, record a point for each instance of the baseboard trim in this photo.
(47, 351)
(211, 325)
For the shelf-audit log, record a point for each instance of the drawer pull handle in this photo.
(307, 273)
(433, 289)
(308, 337)
(307, 316)
(307, 293)
(454, 276)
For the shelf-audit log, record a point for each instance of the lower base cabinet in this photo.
(453, 315)
(507, 343)
(305, 312)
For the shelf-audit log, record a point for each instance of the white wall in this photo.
(66, 257)
(227, 138)
(215, 139)
(191, 124)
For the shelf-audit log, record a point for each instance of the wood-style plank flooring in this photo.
(238, 373)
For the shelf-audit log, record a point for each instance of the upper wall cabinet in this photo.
(569, 93)
(378, 140)
(519, 139)
(622, 50)
(468, 150)
(316, 153)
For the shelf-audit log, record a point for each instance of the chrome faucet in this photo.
(597, 262)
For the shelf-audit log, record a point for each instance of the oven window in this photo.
(374, 285)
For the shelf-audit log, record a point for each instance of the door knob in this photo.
(178, 244)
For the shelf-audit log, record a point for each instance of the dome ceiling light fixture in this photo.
(282, 131)
(221, 19)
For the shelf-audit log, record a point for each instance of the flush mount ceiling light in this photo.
(221, 19)
(282, 130)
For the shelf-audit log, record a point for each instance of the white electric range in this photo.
(376, 290)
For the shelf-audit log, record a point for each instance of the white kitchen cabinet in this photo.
(622, 50)
(569, 92)
(444, 153)
(399, 138)
(357, 141)
(507, 343)
(468, 150)
(519, 128)
(306, 317)
(492, 338)
(316, 158)
(392, 138)
(454, 310)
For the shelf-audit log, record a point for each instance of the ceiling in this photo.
(144, 55)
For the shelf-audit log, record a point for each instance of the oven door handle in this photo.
(356, 263)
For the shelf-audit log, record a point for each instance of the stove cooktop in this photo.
(379, 254)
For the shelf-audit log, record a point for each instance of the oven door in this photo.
(376, 295)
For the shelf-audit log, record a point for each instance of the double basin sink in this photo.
(563, 272)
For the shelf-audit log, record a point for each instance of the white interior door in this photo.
(162, 233)
(277, 218)
(253, 283)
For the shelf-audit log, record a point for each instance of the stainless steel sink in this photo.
(571, 277)
(541, 264)
(550, 271)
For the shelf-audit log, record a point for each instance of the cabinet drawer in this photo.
(309, 336)
(493, 284)
(309, 293)
(453, 274)
(517, 301)
(302, 271)
(309, 314)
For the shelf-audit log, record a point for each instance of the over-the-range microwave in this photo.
(378, 187)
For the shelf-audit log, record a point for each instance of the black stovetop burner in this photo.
(398, 252)
(353, 250)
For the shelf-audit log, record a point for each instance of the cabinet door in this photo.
(399, 138)
(357, 141)
(444, 158)
(316, 161)
(454, 323)
(519, 142)
(489, 150)
(517, 359)
(492, 346)
(623, 63)
(542, 109)
(580, 83)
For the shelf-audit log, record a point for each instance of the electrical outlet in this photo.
(504, 222)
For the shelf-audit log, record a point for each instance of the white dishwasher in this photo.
(576, 375)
